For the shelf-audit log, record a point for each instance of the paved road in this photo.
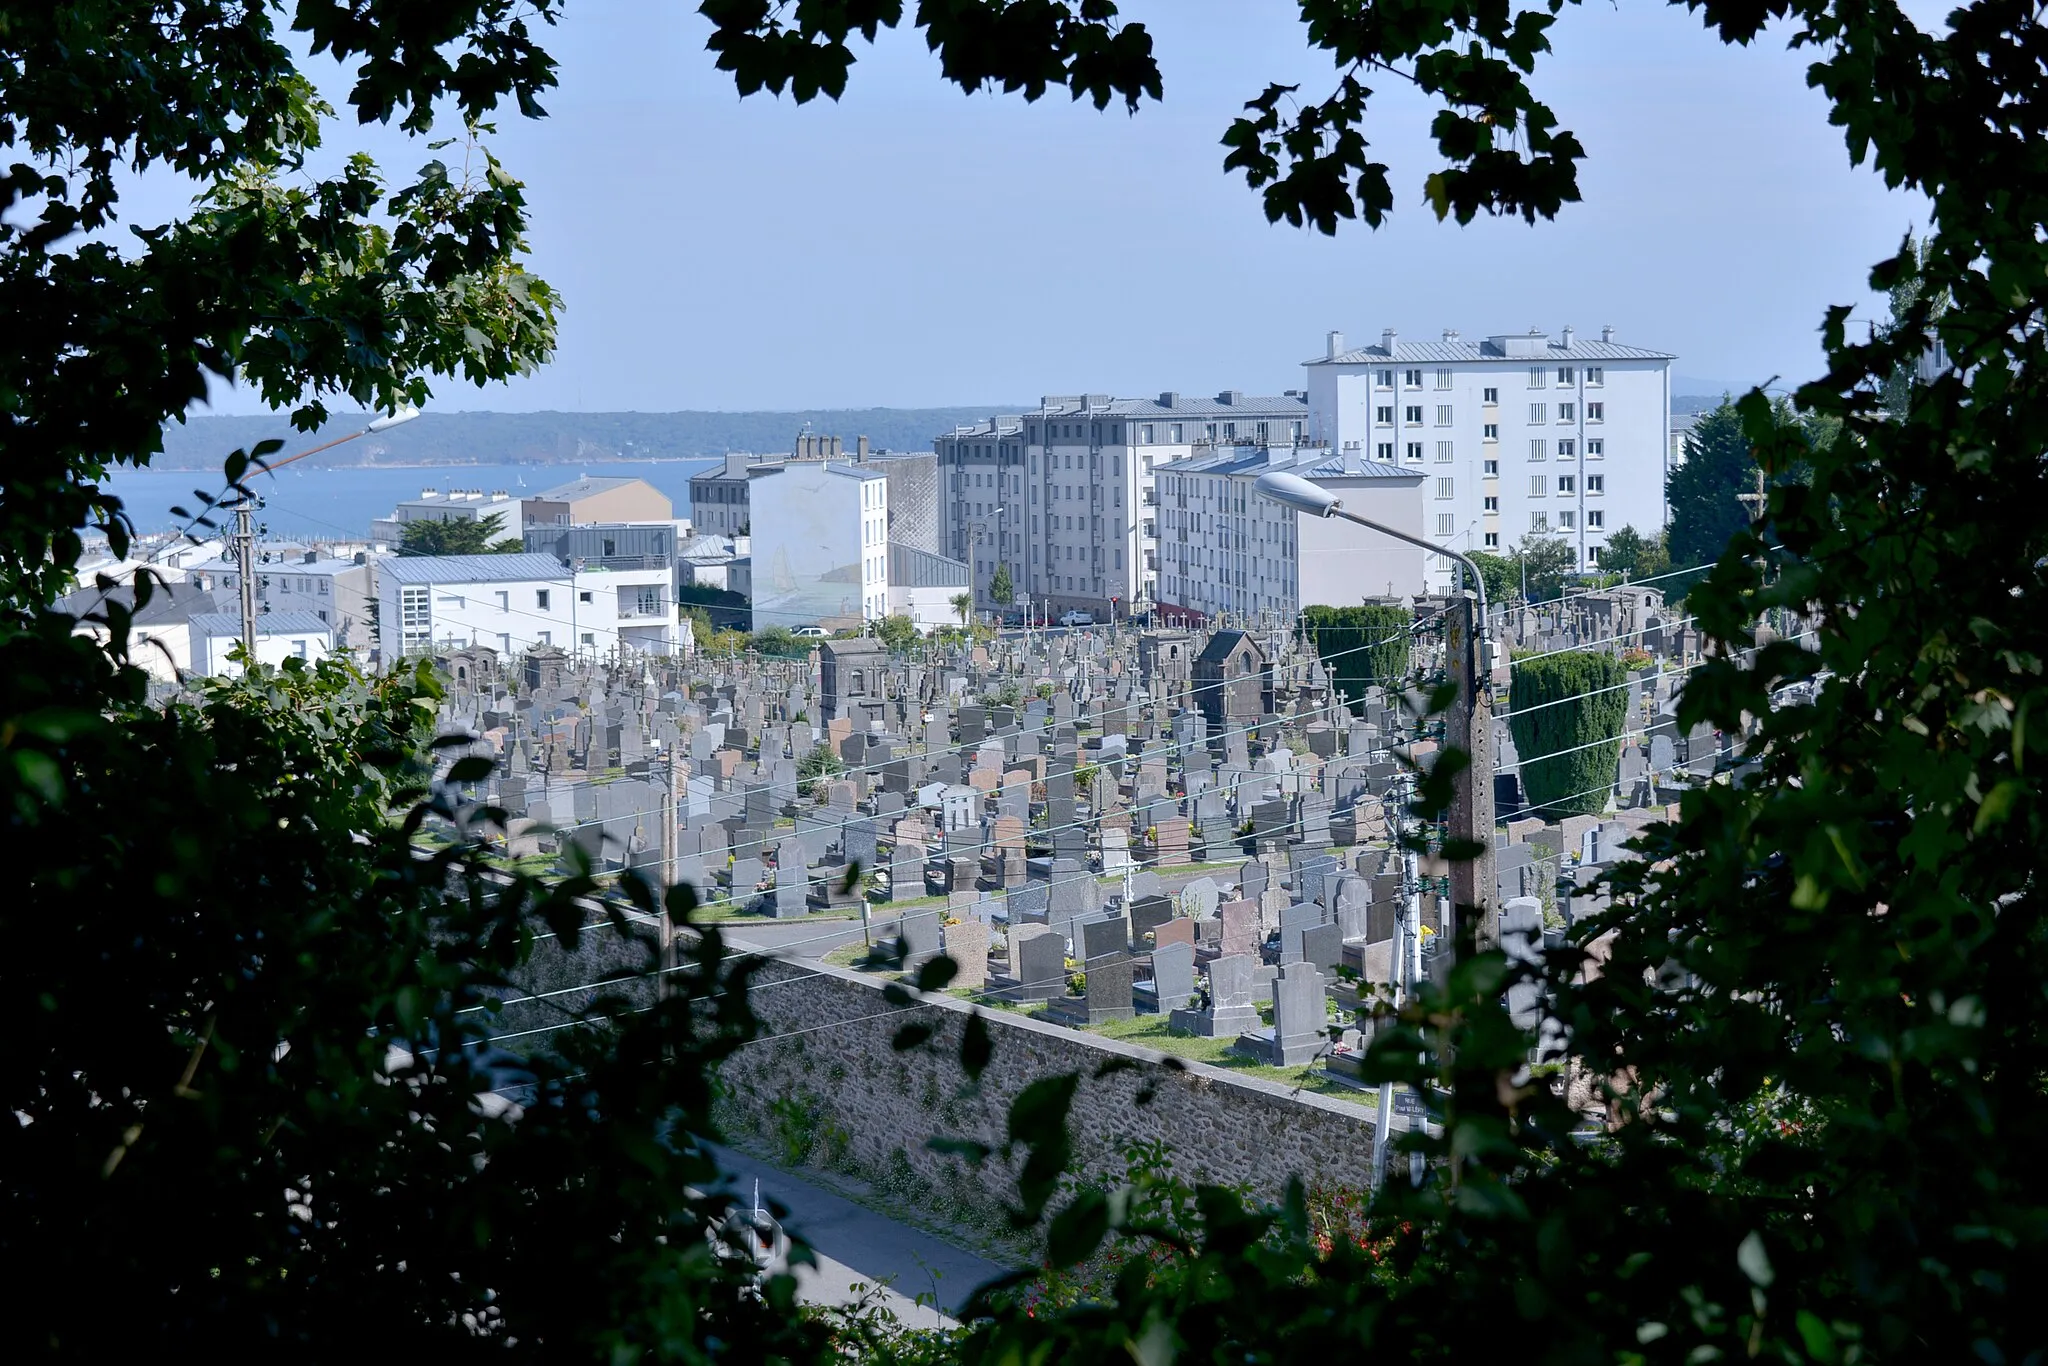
(857, 1247)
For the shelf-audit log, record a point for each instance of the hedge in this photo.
(1361, 645)
(1585, 708)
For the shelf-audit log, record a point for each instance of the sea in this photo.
(308, 501)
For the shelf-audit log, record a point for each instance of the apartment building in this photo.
(513, 603)
(302, 581)
(1065, 495)
(587, 501)
(820, 544)
(1517, 434)
(721, 503)
(1226, 553)
(451, 505)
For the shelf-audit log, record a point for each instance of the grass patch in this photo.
(1152, 1031)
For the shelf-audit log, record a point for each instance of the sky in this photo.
(914, 246)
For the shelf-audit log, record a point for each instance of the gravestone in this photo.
(967, 946)
(1230, 1010)
(920, 933)
(791, 888)
(1038, 962)
(1300, 1020)
(1173, 976)
(1240, 927)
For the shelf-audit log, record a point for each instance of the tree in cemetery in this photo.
(481, 536)
(1503, 580)
(896, 632)
(1567, 713)
(1361, 646)
(962, 603)
(1630, 553)
(1001, 588)
(1542, 564)
(1704, 487)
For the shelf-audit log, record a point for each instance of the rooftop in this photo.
(273, 624)
(473, 569)
(586, 488)
(1505, 347)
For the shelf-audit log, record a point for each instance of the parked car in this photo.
(810, 633)
(1078, 618)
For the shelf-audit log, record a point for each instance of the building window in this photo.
(1383, 416)
(1539, 522)
(1567, 412)
(1489, 396)
(1537, 374)
(1595, 449)
(415, 619)
(1384, 379)
(1179, 434)
(1446, 488)
(1443, 414)
(1385, 450)
(1596, 520)
(1492, 503)
(1412, 378)
(1493, 540)
(1537, 449)
(1490, 432)
(540, 598)
(1415, 450)
(1565, 520)
(1538, 414)
(1596, 483)
(1446, 524)
(1564, 376)
(1538, 486)
(1444, 452)
(1567, 449)
(1492, 467)
(1412, 414)
(1443, 379)
(585, 597)
(1567, 483)
(1595, 377)
(1596, 412)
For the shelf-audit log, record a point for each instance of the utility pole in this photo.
(1474, 881)
(668, 877)
(245, 555)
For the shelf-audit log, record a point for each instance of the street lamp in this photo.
(1472, 880)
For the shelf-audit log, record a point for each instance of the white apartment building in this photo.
(1226, 552)
(289, 579)
(454, 505)
(515, 602)
(1065, 495)
(820, 544)
(1517, 435)
(279, 636)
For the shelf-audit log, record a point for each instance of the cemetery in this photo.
(1107, 847)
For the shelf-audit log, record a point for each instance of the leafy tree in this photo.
(1000, 587)
(1567, 714)
(1630, 553)
(1904, 298)
(963, 603)
(897, 632)
(820, 762)
(780, 642)
(1503, 580)
(451, 537)
(1705, 512)
(1361, 645)
(1543, 563)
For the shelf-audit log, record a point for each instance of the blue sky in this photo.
(914, 246)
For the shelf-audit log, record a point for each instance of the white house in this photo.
(1518, 434)
(333, 590)
(1225, 551)
(515, 602)
(820, 544)
(279, 636)
(452, 505)
(1064, 495)
(922, 586)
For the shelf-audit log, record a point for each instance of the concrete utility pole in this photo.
(668, 878)
(1471, 721)
(245, 556)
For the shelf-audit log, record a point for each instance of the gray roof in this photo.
(169, 603)
(1310, 462)
(585, 488)
(472, 568)
(1229, 404)
(1489, 349)
(1350, 465)
(271, 624)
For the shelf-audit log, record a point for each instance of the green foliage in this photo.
(1630, 553)
(963, 603)
(1705, 513)
(451, 537)
(1361, 645)
(702, 595)
(780, 643)
(1503, 580)
(1543, 563)
(1001, 588)
(897, 632)
(1563, 708)
(821, 762)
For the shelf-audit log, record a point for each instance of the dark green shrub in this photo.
(1361, 645)
(1565, 705)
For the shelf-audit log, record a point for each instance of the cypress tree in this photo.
(1566, 705)
(1361, 645)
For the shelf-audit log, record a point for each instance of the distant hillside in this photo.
(566, 438)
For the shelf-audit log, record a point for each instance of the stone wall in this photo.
(837, 1095)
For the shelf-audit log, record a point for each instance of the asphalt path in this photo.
(922, 1278)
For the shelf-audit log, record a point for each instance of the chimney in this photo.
(1567, 337)
(860, 448)
(1450, 334)
(1336, 340)
(1607, 333)
(312, 557)
(1169, 399)
(1387, 341)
